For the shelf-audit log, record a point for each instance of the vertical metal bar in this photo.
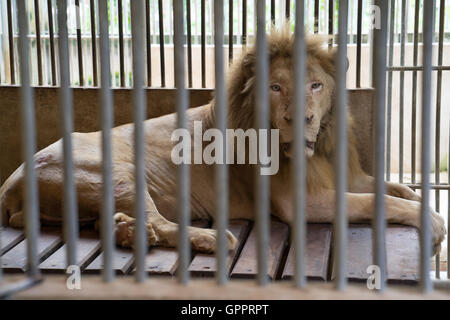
(272, 12)
(161, 43)
(414, 92)
(52, 41)
(121, 48)
(425, 228)
(189, 42)
(94, 43)
(230, 31)
(402, 89)
(203, 41)
(437, 170)
(358, 45)
(221, 170)
(316, 16)
(11, 43)
(37, 21)
(340, 224)
(299, 227)
(379, 59)
(389, 88)
(448, 207)
(139, 106)
(288, 9)
(28, 146)
(330, 21)
(149, 43)
(262, 123)
(107, 122)
(244, 22)
(79, 45)
(183, 183)
(70, 207)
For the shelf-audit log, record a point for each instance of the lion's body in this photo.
(161, 172)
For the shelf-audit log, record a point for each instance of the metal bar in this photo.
(358, 45)
(161, 43)
(379, 223)
(414, 92)
(417, 68)
(189, 42)
(299, 226)
(183, 178)
(316, 16)
(70, 207)
(94, 44)
(402, 89)
(434, 187)
(272, 12)
(149, 43)
(425, 226)
(107, 122)
(244, 22)
(340, 224)
(31, 194)
(52, 41)
(288, 9)
(203, 41)
(448, 207)
(230, 31)
(330, 21)
(79, 46)
(262, 122)
(221, 169)
(37, 21)
(437, 171)
(121, 54)
(11, 43)
(389, 88)
(139, 106)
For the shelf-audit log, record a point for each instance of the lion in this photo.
(402, 204)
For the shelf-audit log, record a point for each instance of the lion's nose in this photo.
(309, 119)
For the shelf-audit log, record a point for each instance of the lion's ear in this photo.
(328, 60)
(248, 64)
(334, 57)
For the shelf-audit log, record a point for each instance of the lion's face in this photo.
(319, 86)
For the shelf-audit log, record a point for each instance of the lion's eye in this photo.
(275, 87)
(316, 86)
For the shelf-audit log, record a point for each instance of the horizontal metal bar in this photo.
(417, 68)
(434, 187)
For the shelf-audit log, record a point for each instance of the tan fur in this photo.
(402, 204)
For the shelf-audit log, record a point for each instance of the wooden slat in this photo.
(247, 266)
(318, 245)
(9, 238)
(88, 247)
(164, 261)
(123, 259)
(16, 259)
(204, 265)
(402, 251)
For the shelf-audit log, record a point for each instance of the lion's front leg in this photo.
(366, 184)
(360, 209)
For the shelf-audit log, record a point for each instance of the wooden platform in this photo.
(402, 245)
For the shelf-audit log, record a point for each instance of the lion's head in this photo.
(319, 88)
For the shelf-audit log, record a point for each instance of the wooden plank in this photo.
(318, 245)
(204, 265)
(247, 266)
(88, 247)
(402, 253)
(9, 237)
(15, 259)
(164, 261)
(123, 260)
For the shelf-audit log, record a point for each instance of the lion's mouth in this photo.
(287, 147)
